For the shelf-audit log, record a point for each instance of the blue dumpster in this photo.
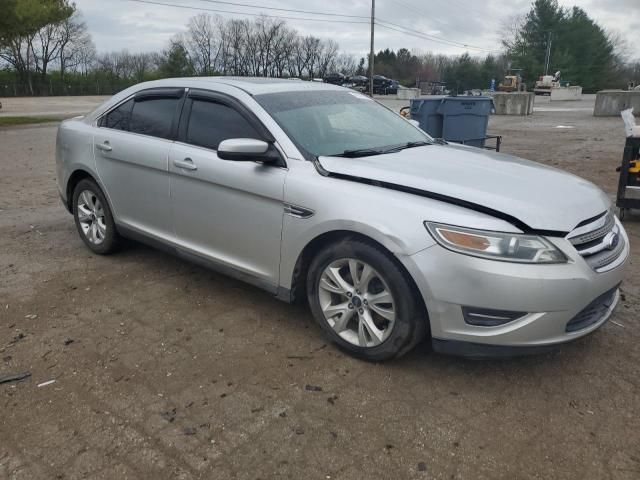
(465, 119)
(425, 111)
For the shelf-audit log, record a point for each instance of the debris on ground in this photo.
(189, 430)
(14, 377)
(68, 341)
(44, 384)
(332, 399)
(17, 338)
(313, 388)
(422, 467)
(169, 416)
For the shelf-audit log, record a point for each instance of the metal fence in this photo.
(57, 88)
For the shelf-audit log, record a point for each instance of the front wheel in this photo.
(364, 301)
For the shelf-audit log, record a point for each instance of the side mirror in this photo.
(247, 150)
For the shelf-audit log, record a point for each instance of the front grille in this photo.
(599, 241)
(593, 312)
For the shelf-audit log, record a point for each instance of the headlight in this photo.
(507, 247)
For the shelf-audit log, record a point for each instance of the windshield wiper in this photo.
(361, 152)
(419, 143)
(367, 152)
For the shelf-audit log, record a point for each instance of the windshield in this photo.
(330, 122)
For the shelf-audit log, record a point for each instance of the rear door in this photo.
(132, 144)
(224, 211)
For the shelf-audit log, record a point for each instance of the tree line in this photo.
(45, 48)
(584, 52)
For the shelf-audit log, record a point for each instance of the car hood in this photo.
(538, 196)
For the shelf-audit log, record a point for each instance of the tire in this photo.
(399, 320)
(94, 219)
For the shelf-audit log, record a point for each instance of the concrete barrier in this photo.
(513, 103)
(566, 93)
(408, 93)
(609, 103)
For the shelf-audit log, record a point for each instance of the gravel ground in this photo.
(165, 370)
(62, 107)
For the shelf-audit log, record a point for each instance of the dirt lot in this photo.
(62, 107)
(165, 370)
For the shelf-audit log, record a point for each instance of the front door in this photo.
(225, 211)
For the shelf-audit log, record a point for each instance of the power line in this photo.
(419, 34)
(424, 36)
(189, 7)
(311, 12)
(385, 24)
(428, 15)
(420, 12)
(466, 7)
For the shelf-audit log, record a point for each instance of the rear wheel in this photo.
(364, 301)
(93, 218)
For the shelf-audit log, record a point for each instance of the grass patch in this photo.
(9, 121)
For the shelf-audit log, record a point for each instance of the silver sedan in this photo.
(318, 193)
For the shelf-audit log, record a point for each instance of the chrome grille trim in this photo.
(599, 242)
(579, 238)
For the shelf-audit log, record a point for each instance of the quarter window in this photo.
(118, 118)
(210, 123)
(153, 116)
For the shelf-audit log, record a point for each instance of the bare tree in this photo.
(345, 63)
(45, 46)
(76, 46)
(311, 50)
(141, 64)
(327, 54)
(203, 44)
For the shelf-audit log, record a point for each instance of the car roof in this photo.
(251, 85)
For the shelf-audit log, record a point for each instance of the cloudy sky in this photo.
(127, 24)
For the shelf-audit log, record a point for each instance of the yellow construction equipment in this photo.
(512, 82)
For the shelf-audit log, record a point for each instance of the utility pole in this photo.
(371, 54)
(547, 58)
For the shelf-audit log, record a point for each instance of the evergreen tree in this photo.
(580, 48)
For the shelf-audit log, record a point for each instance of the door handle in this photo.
(105, 147)
(186, 164)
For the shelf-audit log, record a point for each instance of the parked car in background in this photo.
(358, 79)
(384, 86)
(318, 193)
(335, 78)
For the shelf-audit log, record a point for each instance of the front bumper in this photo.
(551, 295)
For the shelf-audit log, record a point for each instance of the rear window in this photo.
(153, 116)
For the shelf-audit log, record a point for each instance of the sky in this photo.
(127, 24)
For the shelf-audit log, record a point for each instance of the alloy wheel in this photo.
(91, 217)
(356, 302)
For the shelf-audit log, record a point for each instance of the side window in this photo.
(153, 116)
(118, 118)
(210, 123)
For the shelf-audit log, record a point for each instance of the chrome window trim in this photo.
(125, 100)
